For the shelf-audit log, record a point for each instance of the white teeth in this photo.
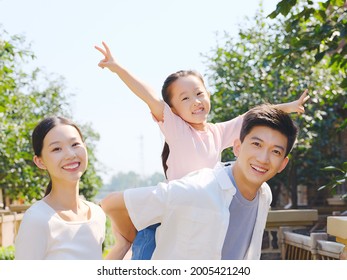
(71, 166)
(259, 169)
(198, 111)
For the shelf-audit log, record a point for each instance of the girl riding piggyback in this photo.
(191, 142)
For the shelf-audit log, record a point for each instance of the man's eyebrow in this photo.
(277, 146)
(257, 138)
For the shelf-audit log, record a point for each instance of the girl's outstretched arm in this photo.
(140, 88)
(296, 106)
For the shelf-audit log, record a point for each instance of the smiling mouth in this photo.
(72, 166)
(259, 169)
(199, 111)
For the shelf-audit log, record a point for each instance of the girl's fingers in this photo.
(101, 50)
(304, 96)
(106, 48)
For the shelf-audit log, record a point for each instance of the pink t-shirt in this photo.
(191, 149)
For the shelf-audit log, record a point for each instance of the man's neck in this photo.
(247, 189)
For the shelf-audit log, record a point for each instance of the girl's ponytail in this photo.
(164, 156)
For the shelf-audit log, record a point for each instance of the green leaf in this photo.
(331, 168)
(344, 83)
(318, 57)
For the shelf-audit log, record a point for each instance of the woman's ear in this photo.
(39, 163)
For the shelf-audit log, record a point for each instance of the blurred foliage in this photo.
(320, 30)
(122, 181)
(109, 238)
(7, 253)
(245, 71)
(338, 180)
(26, 97)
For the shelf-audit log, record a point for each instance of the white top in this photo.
(44, 235)
(192, 149)
(194, 215)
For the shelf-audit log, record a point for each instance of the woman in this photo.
(61, 225)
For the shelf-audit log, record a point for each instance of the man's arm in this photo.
(114, 207)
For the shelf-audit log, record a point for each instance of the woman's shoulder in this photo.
(38, 212)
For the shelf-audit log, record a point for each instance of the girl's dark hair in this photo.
(166, 95)
(40, 133)
(269, 116)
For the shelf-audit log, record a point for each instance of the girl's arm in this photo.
(296, 106)
(141, 89)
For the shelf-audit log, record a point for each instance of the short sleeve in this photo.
(230, 131)
(31, 240)
(172, 125)
(146, 205)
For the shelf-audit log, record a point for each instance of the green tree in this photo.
(243, 73)
(26, 97)
(122, 181)
(319, 29)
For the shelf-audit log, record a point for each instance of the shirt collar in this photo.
(223, 178)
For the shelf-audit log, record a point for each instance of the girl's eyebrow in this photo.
(260, 140)
(57, 142)
(185, 92)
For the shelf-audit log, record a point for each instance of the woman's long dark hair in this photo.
(166, 95)
(40, 133)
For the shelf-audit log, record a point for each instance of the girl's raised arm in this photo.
(140, 88)
(296, 106)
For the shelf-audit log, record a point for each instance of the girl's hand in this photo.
(108, 61)
(298, 105)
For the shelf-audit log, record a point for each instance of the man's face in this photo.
(260, 156)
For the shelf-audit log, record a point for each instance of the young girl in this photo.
(61, 226)
(191, 143)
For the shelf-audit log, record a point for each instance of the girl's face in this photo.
(64, 154)
(190, 100)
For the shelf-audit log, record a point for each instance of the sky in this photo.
(151, 38)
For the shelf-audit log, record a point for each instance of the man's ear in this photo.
(39, 163)
(237, 147)
(283, 165)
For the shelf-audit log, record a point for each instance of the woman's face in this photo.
(64, 154)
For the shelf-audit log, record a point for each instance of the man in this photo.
(217, 213)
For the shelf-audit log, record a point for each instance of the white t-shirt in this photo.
(191, 149)
(44, 235)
